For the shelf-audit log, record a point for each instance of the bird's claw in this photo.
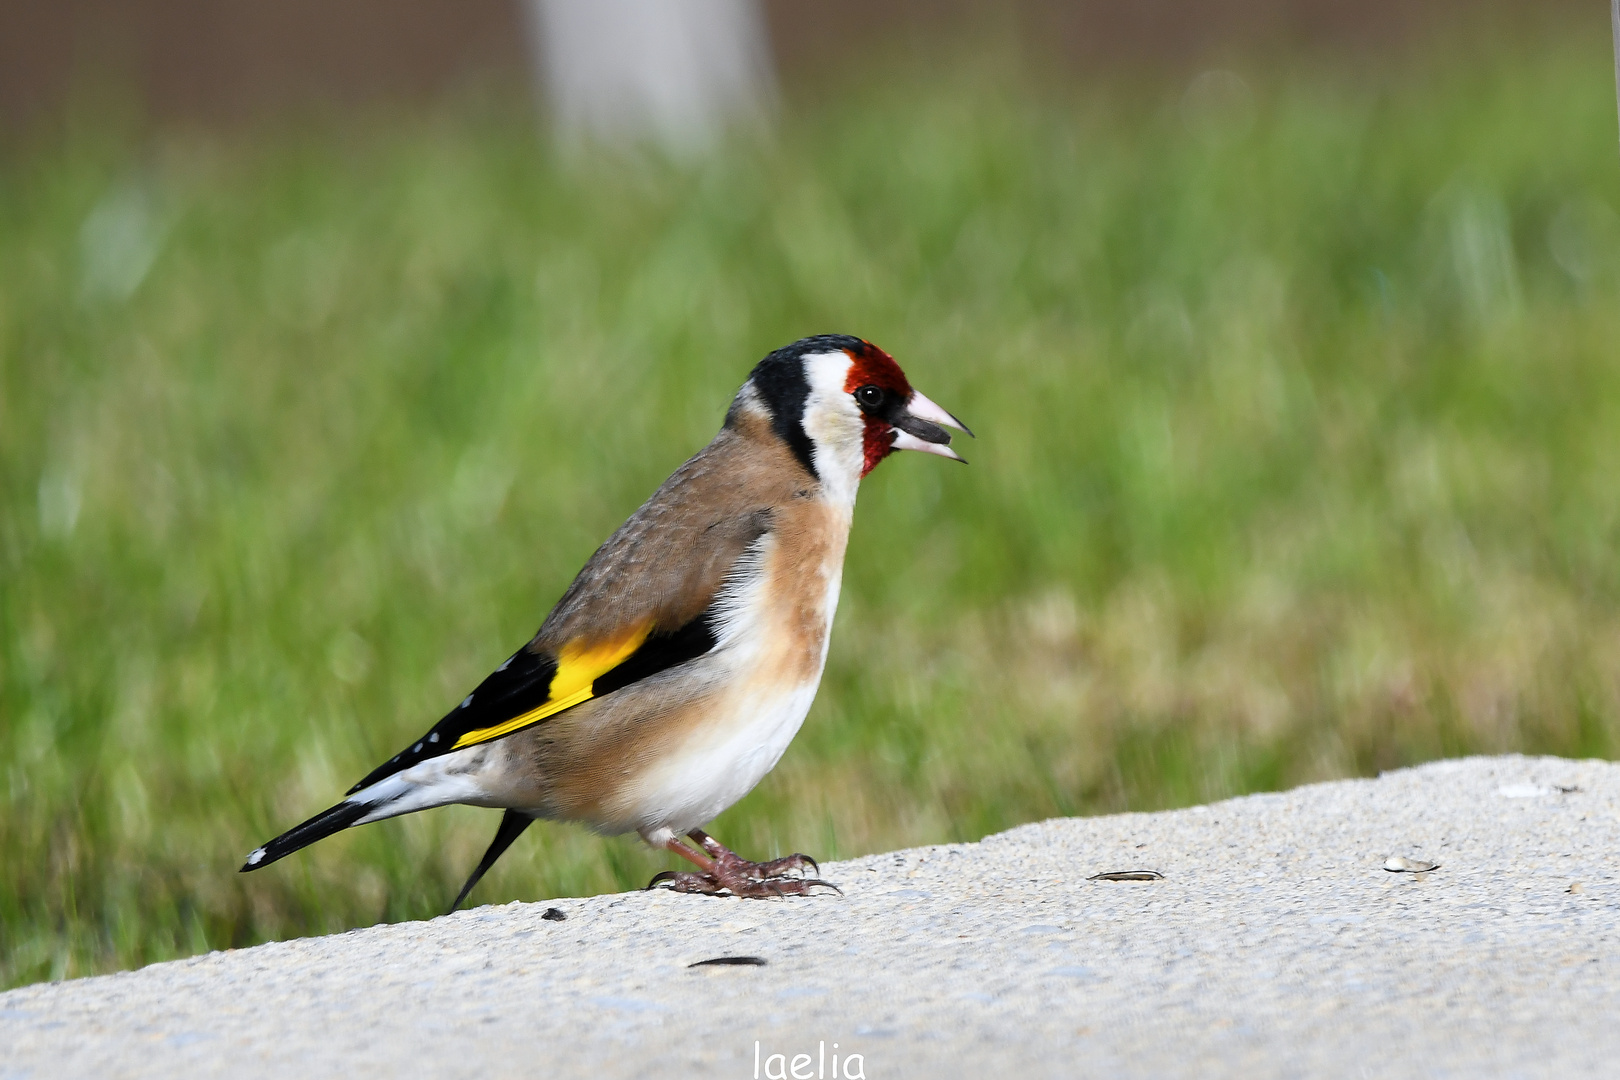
(737, 885)
(776, 868)
(727, 872)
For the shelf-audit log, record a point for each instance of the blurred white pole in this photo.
(1614, 15)
(678, 71)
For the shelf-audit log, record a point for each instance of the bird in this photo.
(673, 673)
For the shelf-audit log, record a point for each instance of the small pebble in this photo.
(1575, 887)
(1400, 864)
(553, 915)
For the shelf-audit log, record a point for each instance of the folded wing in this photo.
(645, 602)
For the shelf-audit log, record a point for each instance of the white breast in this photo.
(755, 712)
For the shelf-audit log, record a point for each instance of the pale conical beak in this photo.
(918, 428)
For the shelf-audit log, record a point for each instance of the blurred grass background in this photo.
(1299, 416)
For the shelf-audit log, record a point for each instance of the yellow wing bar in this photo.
(579, 665)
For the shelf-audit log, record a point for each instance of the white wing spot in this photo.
(433, 737)
(466, 701)
(417, 749)
(508, 663)
(256, 857)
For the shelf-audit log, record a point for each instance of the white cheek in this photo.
(835, 426)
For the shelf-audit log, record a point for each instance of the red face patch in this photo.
(874, 367)
(878, 443)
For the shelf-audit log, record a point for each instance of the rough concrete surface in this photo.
(1275, 945)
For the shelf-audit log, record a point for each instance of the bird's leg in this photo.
(705, 880)
(758, 871)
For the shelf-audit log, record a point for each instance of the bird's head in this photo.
(843, 405)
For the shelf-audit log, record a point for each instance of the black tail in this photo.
(512, 826)
(319, 827)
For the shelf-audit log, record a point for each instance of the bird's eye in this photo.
(870, 397)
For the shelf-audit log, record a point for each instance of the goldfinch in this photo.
(673, 673)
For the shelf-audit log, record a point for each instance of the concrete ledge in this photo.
(1275, 945)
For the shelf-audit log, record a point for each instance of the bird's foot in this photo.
(724, 871)
(737, 884)
(756, 871)
(802, 865)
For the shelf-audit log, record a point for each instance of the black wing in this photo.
(523, 684)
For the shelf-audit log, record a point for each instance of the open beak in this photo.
(917, 427)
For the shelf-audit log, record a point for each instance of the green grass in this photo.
(1299, 457)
